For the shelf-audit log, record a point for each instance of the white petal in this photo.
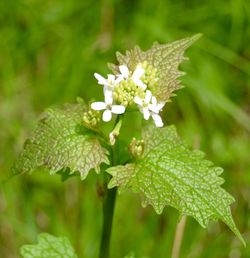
(108, 95)
(124, 71)
(157, 120)
(156, 108)
(139, 83)
(106, 88)
(161, 105)
(101, 79)
(118, 79)
(146, 113)
(107, 115)
(148, 96)
(154, 101)
(111, 78)
(138, 101)
(153, 108)
(139, 71)
(98, 105)
(118, 109)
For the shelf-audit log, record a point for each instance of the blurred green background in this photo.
(49, 51)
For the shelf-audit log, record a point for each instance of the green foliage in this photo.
(49, 247)
(60, 141)
(165, 171)
(166, 58)
(169, 173)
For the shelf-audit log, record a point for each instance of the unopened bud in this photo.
(115, 133)
(136, 148)
(91, 118)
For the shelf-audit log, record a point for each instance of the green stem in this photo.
(108, 212)
(109, 204)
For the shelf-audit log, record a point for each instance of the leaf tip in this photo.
(243, 241)
(192, 39)
(240, 237)
(197, 36)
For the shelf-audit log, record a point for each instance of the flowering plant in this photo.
(150, 159)
(129, 88)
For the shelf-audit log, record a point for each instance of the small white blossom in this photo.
(155, 107)
(138, 72)
(108, 107)
(150, 109)
(108, 83)
(144, 103)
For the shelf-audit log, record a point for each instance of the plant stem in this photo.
(178, 237)
(108, 212)
(109, 203)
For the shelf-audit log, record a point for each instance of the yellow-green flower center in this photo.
(126, 91)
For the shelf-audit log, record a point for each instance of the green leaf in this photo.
(49, 247)
(169, 173)
(166, 58)
(60, 141)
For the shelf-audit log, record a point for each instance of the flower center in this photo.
(109, 107)
(126, 91)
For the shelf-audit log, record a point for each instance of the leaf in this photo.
(60, 141)
(166, 58)
(49, 247)
(169, 173)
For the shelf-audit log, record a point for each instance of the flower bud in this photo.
(91, 118)
(136, 148)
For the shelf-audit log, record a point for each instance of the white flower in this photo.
(108, 83)
(150, 109)
(138, 72)
(155, 107)
(108, 107)
(144, 103)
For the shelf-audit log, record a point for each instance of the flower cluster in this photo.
(126, 89)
